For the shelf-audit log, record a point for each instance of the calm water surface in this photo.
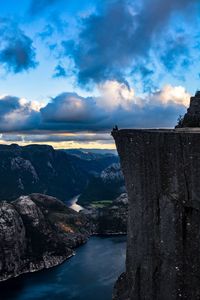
(90, 275)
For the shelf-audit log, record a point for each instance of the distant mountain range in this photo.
(107, 185)
(90, 153)
(94, 174)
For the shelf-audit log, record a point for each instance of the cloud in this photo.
(115, 94)
(59, 71)
(120, 38)
(17, 114)
(71, 113)
(47, 32)
(176, 52)
(47, 138)
(171, 95)
(17, 53)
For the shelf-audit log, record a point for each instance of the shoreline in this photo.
(38, 269)
(63, 260)
(49, 261)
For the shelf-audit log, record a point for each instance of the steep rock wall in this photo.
(162, 174)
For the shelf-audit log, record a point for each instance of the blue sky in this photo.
(71, 70)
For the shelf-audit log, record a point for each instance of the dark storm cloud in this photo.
(17, 53)
(122, 34)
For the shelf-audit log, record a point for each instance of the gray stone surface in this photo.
(162, 174)
(12, 241)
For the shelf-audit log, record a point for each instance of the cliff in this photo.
(37, 232)
(162, 174)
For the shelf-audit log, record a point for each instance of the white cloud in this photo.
(172, 94)
(114, 94)
(34, 105)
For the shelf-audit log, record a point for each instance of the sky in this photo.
(70, 70)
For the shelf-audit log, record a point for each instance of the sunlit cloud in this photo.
(70, 113)
(172, 94)
(114, 94)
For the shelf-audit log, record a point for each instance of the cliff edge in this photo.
(162, 175)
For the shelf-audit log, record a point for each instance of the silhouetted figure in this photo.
(115, 128)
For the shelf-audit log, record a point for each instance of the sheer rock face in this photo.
(162, 174)
(37, 232)
(12, 241)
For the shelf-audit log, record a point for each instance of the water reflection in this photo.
(73, 204)
(87, 276)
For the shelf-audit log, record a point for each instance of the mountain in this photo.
(108, 217)
(91, 153)
(41, 169)
(37, 232)
(107, 185)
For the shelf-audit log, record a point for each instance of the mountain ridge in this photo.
(42, 169)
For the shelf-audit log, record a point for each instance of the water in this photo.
(72, 204)
(90, 275)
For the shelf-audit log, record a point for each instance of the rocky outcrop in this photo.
(37, 232)
(112, 173)
(192, 117)
(109, 219)
(107, 185)
(12, 242)
(162, 173)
